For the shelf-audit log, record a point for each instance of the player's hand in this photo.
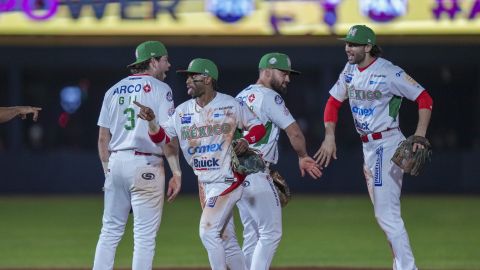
(327, 150)
(308, 164)
(146, 113)
(174, 186)
(24, 110)
(241, 146)
(417, 146)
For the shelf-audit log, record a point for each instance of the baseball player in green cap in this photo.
(132, 163)
(205, 126)
(375, 88)
(262, 220)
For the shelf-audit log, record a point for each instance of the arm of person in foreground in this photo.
(8, 113)
(305, 162)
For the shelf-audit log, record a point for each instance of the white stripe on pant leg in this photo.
(388, 211)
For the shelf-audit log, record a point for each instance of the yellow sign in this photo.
(236, 17)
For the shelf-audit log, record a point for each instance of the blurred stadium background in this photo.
(62, 55)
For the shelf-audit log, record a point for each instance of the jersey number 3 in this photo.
(130, 113)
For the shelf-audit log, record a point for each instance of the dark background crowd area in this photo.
(58, 153)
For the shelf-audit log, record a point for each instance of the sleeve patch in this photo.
(278, 99)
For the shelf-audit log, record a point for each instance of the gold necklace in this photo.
(196, 109)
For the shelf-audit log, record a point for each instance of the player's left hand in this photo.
(174, 186)
(308, 164)
(241, 145)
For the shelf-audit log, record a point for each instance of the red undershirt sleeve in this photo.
(331, 110)
(424, 101)
(255, 134)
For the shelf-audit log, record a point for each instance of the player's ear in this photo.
(368, 48)
(208, 80)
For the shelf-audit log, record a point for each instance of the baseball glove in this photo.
(409, 161)
(247, 163)
(282, 188)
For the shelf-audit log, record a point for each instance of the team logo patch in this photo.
(378, 167)
(251, 98)
(278, 99)
(212, 201)
(148, 176)
(348, 78)
(147, 88)
(169, 96)
(186, 119)
(272, 61)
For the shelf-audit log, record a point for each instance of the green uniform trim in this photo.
(394, 106)
(264, 140)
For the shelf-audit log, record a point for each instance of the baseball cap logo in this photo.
(352, 32)
(272, 61)
(152, 54)
(207, 71)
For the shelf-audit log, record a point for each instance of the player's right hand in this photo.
(327, 150)
(146, 113)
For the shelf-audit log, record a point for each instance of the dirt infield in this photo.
(204, 268)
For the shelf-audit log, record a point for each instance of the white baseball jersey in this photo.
(119, 114)
(205, 134)
(375, 94)
(270, 108)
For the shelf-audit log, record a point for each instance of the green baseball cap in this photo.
(278, 61)
(360, 34)
(147, 50)
(202, 66)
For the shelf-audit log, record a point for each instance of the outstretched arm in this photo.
(305, 162)
(7, 113)
(328, 149)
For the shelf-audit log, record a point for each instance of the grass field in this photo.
(322, 230)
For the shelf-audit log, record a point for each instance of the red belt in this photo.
(375, 136)
(137, 153)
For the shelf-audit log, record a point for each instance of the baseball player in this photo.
(375, 88)
(259, 207)
(8, 113)
(205, 127)
(133, 164)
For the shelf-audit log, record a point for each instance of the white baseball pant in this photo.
(384, 180)
(134, 182)
(215, 216)
(261, 215)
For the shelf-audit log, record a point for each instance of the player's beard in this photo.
(278, 86)
(358, 58)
